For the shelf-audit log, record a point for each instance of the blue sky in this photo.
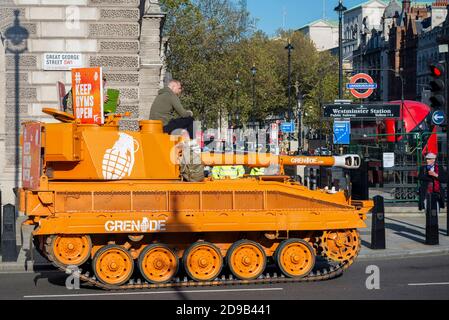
(270, 13)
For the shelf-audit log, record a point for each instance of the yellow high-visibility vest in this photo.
(257, 171)
(231, 172)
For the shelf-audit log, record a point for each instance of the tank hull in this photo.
(171, 207)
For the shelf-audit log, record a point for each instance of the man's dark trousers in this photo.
(180, 123)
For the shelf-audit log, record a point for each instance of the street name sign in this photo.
(62, 61)
(362, 111)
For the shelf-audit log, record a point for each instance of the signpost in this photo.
(62, 61)
(438, 118)
(342, 132)
(362, 111)
(361, 90)
(388, 159)
(288, 127)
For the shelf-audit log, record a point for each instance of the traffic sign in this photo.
(342, 132)
(288, 127)
(361, 90)
(438, 118)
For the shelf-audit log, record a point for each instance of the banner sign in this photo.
(31, 159)
(362, 111)
(87, 92)
(62, 61)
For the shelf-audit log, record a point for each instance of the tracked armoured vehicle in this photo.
(114, 204)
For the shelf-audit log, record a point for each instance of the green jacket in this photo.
(165, 105)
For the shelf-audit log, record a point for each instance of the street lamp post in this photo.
(253, 72)
(237, 83)
(289, 48)
(340, 9)
(16, 36)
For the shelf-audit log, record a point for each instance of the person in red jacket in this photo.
(431, 177)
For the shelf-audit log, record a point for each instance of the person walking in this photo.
(167, 107)
(431, 176)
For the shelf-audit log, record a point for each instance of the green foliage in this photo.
(211, 41)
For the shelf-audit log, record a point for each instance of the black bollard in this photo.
(1, 224)
(378, 224)
(9, 248)
(432, 236)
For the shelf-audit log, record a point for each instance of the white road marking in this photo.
(430, 284)
(148, 293)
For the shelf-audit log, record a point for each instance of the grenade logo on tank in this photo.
(118, 162)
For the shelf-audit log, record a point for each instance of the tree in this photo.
(211, 41)
(201, 36)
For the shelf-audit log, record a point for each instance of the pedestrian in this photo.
(167, 107)
(431, 176)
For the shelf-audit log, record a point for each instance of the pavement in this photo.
(404, 235)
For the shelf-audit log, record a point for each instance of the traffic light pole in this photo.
(446, 75)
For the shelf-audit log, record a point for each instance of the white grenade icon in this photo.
(118, 162)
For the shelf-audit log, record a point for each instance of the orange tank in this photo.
(116, 199)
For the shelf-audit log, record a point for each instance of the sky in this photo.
(293, 14)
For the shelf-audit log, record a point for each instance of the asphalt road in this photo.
(410, 278)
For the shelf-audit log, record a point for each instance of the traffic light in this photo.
(438, 98)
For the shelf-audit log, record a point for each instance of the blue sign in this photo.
(288, 127)
(342, 132)
(361, 86)
(438, 118)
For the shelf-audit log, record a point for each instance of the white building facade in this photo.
(323, 33)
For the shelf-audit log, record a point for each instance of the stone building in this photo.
(357, 21)
(406, 38)
(323, 33)
(403, 43)
(122, 36)
(428, 51)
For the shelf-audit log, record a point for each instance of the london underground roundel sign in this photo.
(361, 86)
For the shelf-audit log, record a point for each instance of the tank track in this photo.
(323, 274)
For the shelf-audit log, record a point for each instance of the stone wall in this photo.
(108, 33)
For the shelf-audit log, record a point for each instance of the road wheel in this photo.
(246, 259)
(113, 265)
(295, 258)
(203, 261)
(158, 263)
(69, 250)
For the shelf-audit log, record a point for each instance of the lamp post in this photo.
(253, 72)
(289, 48)
(16, 36)
(237, 114)
(340, 9)
(300, 120)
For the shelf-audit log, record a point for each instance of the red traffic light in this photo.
(437, 70)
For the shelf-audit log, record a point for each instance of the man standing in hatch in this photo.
(165, 106)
